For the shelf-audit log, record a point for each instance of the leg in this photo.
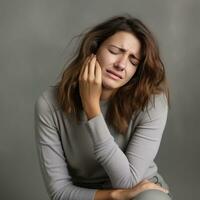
(158, 179)
(155, 194)
(152, 195)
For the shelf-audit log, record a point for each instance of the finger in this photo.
(91, 68)
(84, 66)
(162, 189)
(98, 73)
(85, 72)
(165, 190)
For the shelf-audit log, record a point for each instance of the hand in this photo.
(90, 86)
(128, 194)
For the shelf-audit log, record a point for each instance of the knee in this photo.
(152, 195)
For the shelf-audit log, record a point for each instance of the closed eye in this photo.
(114, 51)
(133, 62)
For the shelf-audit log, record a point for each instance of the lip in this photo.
(118, 76)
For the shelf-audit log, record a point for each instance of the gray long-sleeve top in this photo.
(76, 159)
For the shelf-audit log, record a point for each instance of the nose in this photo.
(121, 62)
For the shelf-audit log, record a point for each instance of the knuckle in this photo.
(96, 82)
(90, 79)
(84, 79)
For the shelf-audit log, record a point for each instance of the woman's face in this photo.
(118, 54)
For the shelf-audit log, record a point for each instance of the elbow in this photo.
(126, 183)
(58, 193)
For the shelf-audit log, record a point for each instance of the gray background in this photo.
(34, 37)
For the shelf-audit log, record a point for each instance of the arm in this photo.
(127, 169)
(51, 157)
(54, 166)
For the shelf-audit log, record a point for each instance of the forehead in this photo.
(124, 40)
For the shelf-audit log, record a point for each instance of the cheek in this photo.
(104, 59)
(131, 72)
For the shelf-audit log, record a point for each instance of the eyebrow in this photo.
(124, 50)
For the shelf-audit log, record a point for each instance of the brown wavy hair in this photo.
(149, 79)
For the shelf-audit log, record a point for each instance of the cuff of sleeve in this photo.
(98, 129)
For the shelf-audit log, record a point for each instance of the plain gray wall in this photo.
(33, 39)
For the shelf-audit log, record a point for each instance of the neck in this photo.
(106, 94)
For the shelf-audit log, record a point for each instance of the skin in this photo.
(119, 53)
(127, 194)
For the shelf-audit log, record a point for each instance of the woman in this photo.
(99, 128)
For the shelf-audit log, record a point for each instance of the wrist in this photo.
(92, 112)
(92, 115)
(106, 195)
(117, 194)
(114, 195)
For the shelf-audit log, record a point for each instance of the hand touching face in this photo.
(90, 84)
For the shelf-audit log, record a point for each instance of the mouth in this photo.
(113, 75)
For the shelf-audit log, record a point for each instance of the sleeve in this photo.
(52, 161)
(127, 169)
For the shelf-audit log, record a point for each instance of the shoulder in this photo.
(158, 102)
(156, 109)
(47, 100)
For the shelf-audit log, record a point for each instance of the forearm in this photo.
(127, 168)
(115, 194)
(104, 195)
(127, 194)
(109, 155)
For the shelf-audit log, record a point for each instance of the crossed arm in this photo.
(125, 169)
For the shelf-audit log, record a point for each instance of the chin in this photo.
(109, 85)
